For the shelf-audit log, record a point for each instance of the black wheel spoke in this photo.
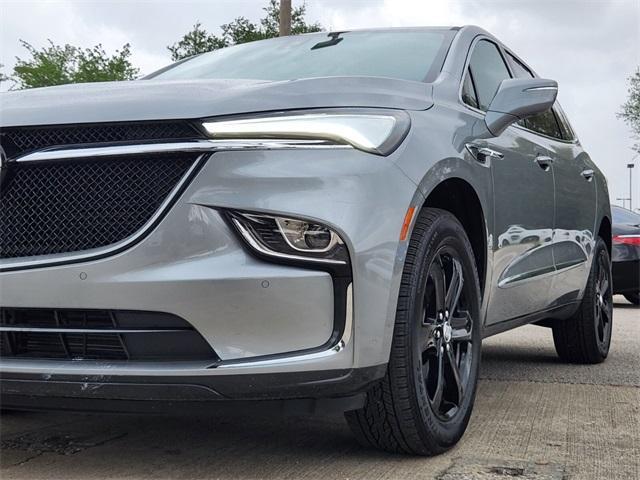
(439, 391)
(600, 329)
(460, 335)
(453, 365)
(461, 326)
(437, 275)
(606, 312)
(455, 286)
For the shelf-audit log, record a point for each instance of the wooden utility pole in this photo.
(285, 18)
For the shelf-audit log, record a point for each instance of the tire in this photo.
(633, 298)
(586, 336)
(419, 407)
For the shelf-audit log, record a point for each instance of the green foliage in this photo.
(195, 42)
(631, 109)
(241, 30)
(58, 65)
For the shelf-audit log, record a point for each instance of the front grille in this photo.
(65, 334)
(21, 140)
(70, 206)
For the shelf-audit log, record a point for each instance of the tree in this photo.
(241, 30)
(195, 42)
(58, 65)
(3, 77)
(631, 109)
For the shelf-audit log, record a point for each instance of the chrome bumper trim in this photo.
(92, 330)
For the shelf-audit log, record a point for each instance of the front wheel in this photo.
(424, 402)
(586, 337)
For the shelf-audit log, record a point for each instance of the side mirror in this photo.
(519, 98)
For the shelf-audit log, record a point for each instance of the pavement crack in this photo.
(26, 460)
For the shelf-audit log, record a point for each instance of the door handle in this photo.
(587, 174)
(544, 161)
(481, 153)
(487, 152)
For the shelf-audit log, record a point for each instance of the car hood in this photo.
(163, 100)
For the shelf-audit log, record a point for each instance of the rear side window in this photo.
(487, 69)
(565, 127)
(544, 123)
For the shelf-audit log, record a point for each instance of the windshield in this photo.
(622, 215)
(405, 54)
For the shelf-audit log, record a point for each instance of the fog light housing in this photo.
(290, 238)
(307, 237)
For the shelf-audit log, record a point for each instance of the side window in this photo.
(565, 127)
(487, 70)
(469, 92)
(544, 123)
(519, 70)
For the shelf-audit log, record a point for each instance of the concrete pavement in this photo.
(534, 418)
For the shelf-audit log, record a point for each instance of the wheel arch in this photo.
(459, 197)
(604, 232)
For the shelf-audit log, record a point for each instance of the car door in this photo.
(574, 234)
(575, 198)
(523, 199)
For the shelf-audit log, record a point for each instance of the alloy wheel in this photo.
(604, 301)
(446, 335)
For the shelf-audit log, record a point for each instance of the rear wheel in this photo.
(586, 337)
(633, 298)
(424, 402)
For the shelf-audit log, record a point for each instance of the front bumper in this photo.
(263, 320)
(338, 390)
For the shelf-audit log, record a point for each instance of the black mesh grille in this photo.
(69, 206)
(18, 141)
(139, 335)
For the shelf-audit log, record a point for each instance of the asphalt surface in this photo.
(534, 418)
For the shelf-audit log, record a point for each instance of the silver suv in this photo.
(326, 221)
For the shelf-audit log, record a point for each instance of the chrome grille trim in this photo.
(67, 153)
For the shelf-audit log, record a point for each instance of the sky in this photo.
(590, 47)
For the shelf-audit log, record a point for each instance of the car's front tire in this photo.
(586, 336)
(423, 404)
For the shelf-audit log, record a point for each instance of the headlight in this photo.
(373, 131)
(290, 239)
